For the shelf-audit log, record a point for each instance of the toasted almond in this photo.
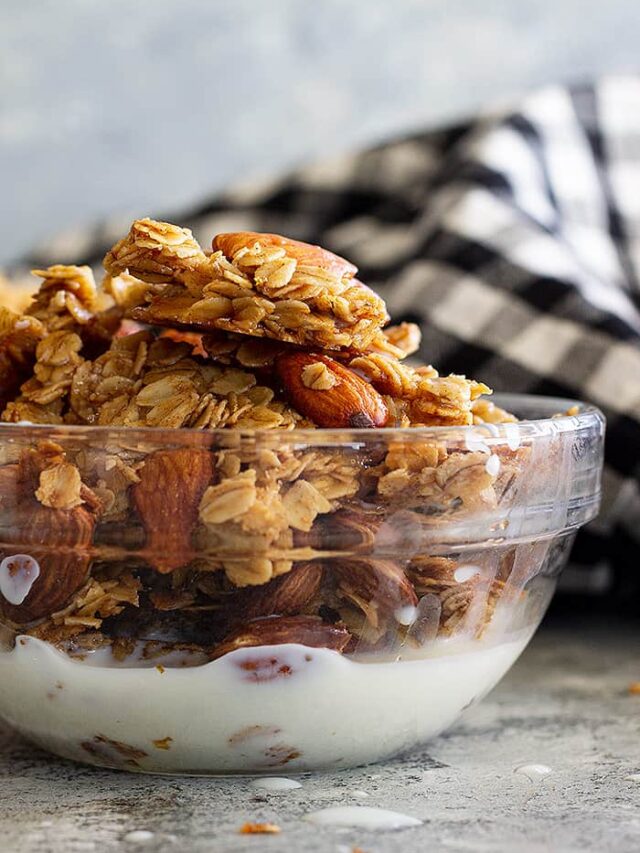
(167, 497)
(283, 596)
(279, 630)
(305, 253)
(349, 402)
(59, 541)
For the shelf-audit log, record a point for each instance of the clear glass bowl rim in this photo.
(550, 420)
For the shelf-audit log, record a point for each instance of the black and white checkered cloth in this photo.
(514, 240)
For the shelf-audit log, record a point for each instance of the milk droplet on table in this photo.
(363, 817)
(18, 574)
(534, 772)
(274, 783)
(139, 836)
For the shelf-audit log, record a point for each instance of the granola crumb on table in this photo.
(259, 829)
(261, 333)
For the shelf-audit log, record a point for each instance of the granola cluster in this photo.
(255, 284)
(214, 540)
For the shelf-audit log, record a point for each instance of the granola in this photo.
(66, 316)
(419, 396)
(255, 284)
(458, 596)
(101, 597)
(261, 504)
(232, 348)
(415, 396)
(140, 381)
(197, 539)
(19, 337)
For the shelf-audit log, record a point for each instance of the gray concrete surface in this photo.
(145, 107)
(565, 705)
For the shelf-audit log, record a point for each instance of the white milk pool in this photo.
(254, 710)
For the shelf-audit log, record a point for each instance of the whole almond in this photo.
(167, 497)
(349, 402)
(60, 543)
(279, 630)
(284, 596)
(305, 253)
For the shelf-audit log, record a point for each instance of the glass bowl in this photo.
(178, 601)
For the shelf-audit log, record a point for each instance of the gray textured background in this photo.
(136, 107)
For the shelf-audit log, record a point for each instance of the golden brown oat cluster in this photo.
(255, 284)
(218, 543)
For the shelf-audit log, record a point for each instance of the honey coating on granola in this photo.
(215, 544)
(254, 284)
